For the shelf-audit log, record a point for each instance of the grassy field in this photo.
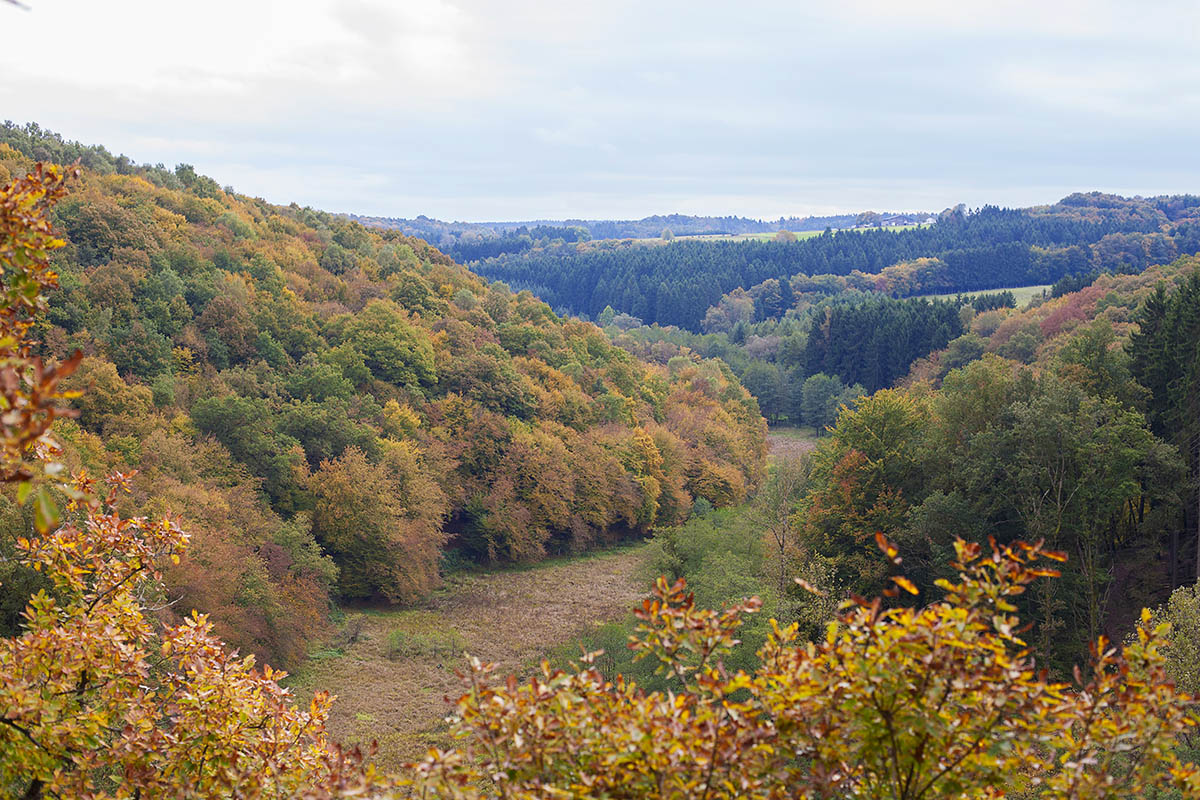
(789, 442)
(393, 670)
(1023, 293)
(744, 237)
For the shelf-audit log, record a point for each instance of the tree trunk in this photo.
(1196, 478)
(1174, 563)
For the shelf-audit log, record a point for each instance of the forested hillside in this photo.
(1070, 419)
(472, 241)
(1126, 338)
(340, 412)
(674, 283)
(827, 351)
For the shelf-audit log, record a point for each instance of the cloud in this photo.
(473, 109)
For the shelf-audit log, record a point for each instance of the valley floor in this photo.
(511, 617)
(790, 442)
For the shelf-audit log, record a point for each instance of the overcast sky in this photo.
(474, 110)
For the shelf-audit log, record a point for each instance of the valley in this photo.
(451, 400)
(374, 460)
(513, 617)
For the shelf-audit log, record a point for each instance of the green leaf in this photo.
(23, 492)
(45, 512)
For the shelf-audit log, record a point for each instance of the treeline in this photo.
(470, 241)
(675, 283)
(471, 246)
(803, 367)
(340, 412)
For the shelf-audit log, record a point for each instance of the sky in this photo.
(489, 110)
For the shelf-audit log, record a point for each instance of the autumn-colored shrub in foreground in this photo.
(98, 703)
(939, 702)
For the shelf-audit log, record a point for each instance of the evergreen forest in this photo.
(675, 282)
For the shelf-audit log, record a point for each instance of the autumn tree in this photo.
(775, 504)
(380, 521)
(864, 479)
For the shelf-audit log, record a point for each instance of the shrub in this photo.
(435, 644)
(941, 701)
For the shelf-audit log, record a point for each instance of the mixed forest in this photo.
(468, 242)
(841, 311)
(293, 409)
(674, 282)
(343, 413)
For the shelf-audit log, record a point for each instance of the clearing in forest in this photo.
(512, 617)
(789, 442)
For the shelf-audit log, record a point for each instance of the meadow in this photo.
(761, 237)
(1023, 294)
(394, 670)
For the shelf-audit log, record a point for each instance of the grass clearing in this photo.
(394, 671)
(1023, 294)
(758, 237)
(791, 442)
(441, 644)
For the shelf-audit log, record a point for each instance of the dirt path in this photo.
(513, 618)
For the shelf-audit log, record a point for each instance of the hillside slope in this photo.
(335, 411)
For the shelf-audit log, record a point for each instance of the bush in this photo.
(439, 644)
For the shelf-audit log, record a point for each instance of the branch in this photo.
(18, 728)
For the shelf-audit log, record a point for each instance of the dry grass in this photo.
(513, 618)
(790, 442)
(1022, 294)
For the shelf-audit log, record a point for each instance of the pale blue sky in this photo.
(514, 110)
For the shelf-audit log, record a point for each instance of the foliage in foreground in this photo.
(942, 701)
(99, 703)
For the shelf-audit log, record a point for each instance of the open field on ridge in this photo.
(1023, 294)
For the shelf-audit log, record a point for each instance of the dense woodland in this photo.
(337, 412)
(1070, 420)
(674, 283)
(472, 241)
(825, 352)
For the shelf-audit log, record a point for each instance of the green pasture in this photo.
(1023, 294)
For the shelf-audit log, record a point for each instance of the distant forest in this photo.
(472, 241)
(675, 283)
